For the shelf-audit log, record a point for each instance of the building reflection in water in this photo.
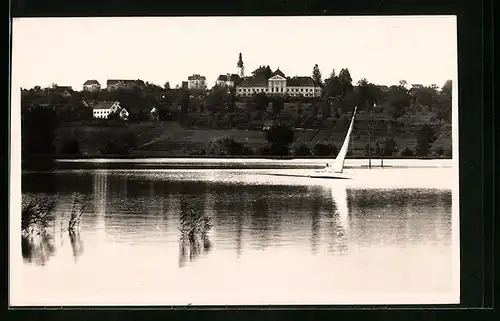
(100, 193)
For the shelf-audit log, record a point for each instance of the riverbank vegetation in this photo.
(393, 121)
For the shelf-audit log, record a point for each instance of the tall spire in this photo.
(241, 68)
(240, 62)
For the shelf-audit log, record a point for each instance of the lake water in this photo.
(386, 236)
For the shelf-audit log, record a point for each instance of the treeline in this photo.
(340, 95)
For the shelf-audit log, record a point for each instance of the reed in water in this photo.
(194, 227)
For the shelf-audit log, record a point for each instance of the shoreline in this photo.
(224, 163)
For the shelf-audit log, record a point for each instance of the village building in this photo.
(228, 80)
(154, 114)
(123, 113)
(197, 81)
(240, 66)
(278, 84)
(91, 85)
(102, 109)
(64, 91)
(114, 84)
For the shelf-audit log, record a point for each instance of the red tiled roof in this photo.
(222, 78)
(234, 77)
(91, 82)
(196, 77)
(128, 82)
(253, 82)
(300, 81)
(103, 105)
(278, 72)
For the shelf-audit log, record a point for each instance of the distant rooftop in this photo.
(91, 82)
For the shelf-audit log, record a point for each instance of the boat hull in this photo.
(330, 176)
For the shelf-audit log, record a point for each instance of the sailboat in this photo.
(335, 170)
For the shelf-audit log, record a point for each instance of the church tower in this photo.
(241, 68)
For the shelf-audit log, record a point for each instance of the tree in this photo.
(215, 101)
(366, 94)
(316, 76)
(333, 87)
(280, 137)
(38, 126)
(277, 104)
(447, 88)
(386, 147)
(426, 136)
(423, 95)
(303, 150)
(407, 152)
(166, 85)
(399, 99)
(260, 101)
(345, 81)
(321, 149)
(226, 146)
(230, 99)
(184, 100)
(70, 147)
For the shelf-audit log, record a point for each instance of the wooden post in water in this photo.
(369, 149)
(369, 136)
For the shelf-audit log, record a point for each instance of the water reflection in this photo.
(338, 221)
(76, 243)
(137, 209)
(191, 248)
(38, 249)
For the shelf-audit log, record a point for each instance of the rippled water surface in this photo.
(274, 239)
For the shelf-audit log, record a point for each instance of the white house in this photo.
(91, 85)
(197, 82)
(279, 84)
(154, 114)
(101, 110)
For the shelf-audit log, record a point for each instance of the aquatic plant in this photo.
(193, 223)
(77, 210)
(36, 216)
(194, 226)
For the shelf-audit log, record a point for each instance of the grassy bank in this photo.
(171, 139)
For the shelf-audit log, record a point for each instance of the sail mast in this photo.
(340, 159)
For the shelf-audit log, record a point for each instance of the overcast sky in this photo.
(384, 50)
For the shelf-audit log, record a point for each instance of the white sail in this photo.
(338, 165)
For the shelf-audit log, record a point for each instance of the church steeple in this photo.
(241, 68)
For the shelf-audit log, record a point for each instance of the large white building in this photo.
(104, 108)
(197, 81)
(91, 85)
(279, 84)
